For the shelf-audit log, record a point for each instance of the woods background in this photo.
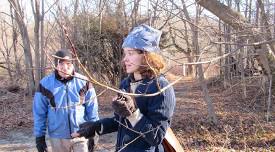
(228, 42)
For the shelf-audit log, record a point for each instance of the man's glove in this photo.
(89, 129)
(41, 144)
(124, 105)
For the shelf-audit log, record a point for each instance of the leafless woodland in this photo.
(219, 54)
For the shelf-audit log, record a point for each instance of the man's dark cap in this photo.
(61, 54)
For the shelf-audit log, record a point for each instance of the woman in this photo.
(141, 121)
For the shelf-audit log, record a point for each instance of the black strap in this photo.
(47, 93)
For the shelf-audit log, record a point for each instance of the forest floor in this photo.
(241, 126)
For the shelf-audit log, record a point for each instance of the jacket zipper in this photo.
(68, 109)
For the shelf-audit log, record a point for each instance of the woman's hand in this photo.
(124, 105)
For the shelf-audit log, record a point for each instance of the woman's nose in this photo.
(125, 58)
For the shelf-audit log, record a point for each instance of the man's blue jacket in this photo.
(62, 105)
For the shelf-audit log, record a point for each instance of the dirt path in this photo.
(24, 141)
(17, 141)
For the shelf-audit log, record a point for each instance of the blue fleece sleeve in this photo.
(91, 105)
(40, 111)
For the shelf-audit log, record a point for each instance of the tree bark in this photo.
(26, 44)
(239, 23)
(267, 27)
(210, 108)
(233, 18)
(6, 51)
(42, 43)
(135, 13)
(36, 14)
(14, 43)
(189, 49)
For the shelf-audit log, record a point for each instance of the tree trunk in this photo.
(239, 23)
(36, 14)
(42, 43)
(9, 68)
(267, 27)
(189, 47)
(210, 108)
(62, 35)
(135, 13)
(26, 44)
(120, 22)
(220, 47)
(76, 5)
(227, 49)
(257, 14)
(101, 8)
(14, 43)
(6, 50)
(273, 21)
(250, 11)
(241, 60)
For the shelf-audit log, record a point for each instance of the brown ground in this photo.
(241, 124)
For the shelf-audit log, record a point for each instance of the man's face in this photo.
(65, 67)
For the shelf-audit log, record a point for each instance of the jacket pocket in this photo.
(55, 120)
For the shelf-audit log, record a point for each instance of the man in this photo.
(63, 101)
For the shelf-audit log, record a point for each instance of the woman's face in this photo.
(132, 60)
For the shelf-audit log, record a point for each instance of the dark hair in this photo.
(61, 54)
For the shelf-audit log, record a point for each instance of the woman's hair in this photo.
(152, 65)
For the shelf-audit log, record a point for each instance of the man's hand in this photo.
(88, 129)
(41, 144)
(124, 105)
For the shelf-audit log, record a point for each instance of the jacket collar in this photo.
(61, 79)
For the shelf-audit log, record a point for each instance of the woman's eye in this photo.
(131, 53)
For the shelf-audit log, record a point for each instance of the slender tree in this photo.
(19, 18)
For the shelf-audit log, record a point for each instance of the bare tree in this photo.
(210, 108)
(14, 42)
(74, 33)
(239, 23)
(42, 40)
(273, 20)
(120, 17)
(37, 15)
(268, 35)
(134, 13)
(6, 51)
(227, 48)
(19, 17)
(267, 26)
